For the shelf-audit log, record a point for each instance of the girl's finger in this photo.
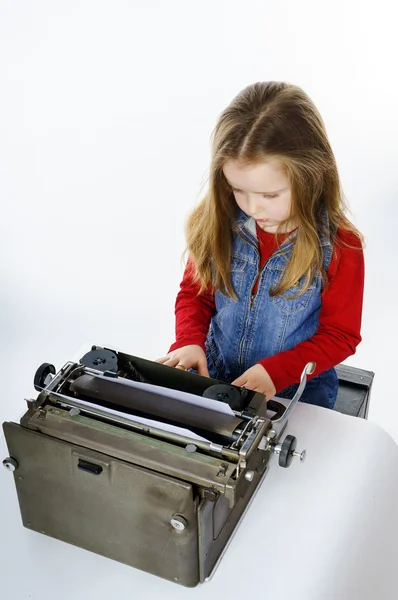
(169, 361)
(254, 386)
(172, 362)
(202, 368)
(162, 360)
(240, 381)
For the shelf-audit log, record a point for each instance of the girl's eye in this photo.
(269, 196)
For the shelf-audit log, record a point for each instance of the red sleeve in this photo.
(193, 312)
(340, 317)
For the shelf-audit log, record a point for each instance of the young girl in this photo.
(275, 273)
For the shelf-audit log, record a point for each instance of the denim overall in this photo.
(254, 327)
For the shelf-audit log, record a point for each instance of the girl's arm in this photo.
(193, 312)
(338, 333)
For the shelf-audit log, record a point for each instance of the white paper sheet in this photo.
(220, 407)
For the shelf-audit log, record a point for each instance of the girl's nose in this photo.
(253, 205)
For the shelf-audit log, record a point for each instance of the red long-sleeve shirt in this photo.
(340, 317)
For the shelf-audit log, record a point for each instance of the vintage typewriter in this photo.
(142, 463)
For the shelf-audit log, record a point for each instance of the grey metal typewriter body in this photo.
(111, 457)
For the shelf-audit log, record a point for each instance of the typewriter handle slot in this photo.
(89, 467)
(276, 407)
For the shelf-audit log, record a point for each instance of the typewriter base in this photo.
(122, 511)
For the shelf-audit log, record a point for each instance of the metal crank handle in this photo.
(308, 370)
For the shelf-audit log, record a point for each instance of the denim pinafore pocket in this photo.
(292, 300)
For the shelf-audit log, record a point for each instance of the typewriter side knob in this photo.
(286, 451)
(10, 464)
(43, 376)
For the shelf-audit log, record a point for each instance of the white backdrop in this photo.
(106, 109)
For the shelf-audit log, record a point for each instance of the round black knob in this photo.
(41, 378)
(100, 359)
(225, 393)
(287, 449)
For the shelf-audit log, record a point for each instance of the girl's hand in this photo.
(187, 357)
(256, 378)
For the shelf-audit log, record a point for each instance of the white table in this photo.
(325, 529)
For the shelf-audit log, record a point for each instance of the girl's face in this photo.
(262, 191)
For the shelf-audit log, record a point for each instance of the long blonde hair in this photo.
(269, 120)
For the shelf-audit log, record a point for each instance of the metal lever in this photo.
(308, 370)
(286, 450)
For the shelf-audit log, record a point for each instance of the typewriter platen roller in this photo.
(145, 464)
